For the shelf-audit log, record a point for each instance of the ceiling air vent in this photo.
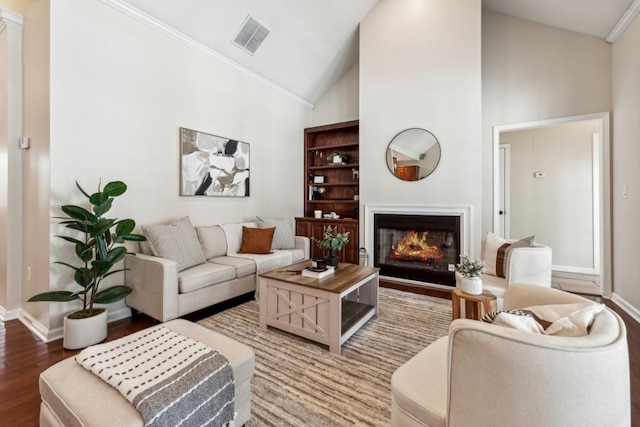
(251, 35)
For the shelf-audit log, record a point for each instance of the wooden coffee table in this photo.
(327, 310)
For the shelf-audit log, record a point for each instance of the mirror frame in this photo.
(390, 166)
(602, 229)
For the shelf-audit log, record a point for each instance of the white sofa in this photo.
(525, 265)
(487, 375)
(164, 293)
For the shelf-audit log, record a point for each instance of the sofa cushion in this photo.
(256, 240)
(285, 234)
(203, 275)
(296, 255)
(213, 241)
(233, 234)
(177, 241)
(497, 251)
(244, 267)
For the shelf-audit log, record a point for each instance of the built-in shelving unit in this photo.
(331, 187)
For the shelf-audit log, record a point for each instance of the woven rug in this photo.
(299, 383)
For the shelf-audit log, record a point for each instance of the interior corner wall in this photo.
(626, 152)
(120, 91)
(534, 72)
(340, 103)
(420, 67)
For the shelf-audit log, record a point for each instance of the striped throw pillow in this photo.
(285, 234)
(177, 241)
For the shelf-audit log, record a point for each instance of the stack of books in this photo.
(318, 273)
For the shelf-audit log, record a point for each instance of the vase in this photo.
(81, 333)
(333, 260)
(471, 285)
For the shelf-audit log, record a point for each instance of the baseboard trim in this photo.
(47, 335)
(628, 308)
(6, 315)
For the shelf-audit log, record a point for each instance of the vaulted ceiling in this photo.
(312, 43)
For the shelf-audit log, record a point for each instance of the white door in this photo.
(503, 191)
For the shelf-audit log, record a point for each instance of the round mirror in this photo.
(413, 154)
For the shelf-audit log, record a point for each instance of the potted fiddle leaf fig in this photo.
(333, 241)
(97, 242)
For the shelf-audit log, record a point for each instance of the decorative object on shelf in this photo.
(468, 274)
(318, 179)
(212, 165)
(333, 241)
(356, 193)
(317, 214)
(331, 215)
(413, 154)
(98, 251)
(337, 157)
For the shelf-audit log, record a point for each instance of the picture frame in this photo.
(213, 166)
(318, 179)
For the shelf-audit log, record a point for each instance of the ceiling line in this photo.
(142, 17)
(624, 22)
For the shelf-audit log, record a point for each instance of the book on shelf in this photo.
(317, 273)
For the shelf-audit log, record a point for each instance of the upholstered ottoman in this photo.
(73, 396)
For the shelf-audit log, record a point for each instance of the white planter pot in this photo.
(81, 333)
(337, 159)
(471, 285)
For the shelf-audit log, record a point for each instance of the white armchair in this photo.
(489, 375)
(525, 265)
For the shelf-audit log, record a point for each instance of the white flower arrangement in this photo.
(470, 268)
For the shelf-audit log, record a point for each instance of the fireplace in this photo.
(423, 248)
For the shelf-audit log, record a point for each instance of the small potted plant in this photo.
(468, 274)
(333, 241)
(337, 157)
(97, 246)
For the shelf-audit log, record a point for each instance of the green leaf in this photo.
(115, 188)
(75, 225)
(101, 227)
(71, 239)
(82, 190)
(125, 227)
(68, 265)
(102, 247)
(134, 237)
(55, 296)
(112, 294)
(116, 254)
(120, 270)
(78, 212)
(83, 277)
(98, 198)
(103, 208)
(102, 267)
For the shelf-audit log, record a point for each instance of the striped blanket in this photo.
(172, 380)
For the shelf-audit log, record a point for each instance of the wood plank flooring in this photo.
(23, 356)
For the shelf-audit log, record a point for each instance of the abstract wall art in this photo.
(212, 165)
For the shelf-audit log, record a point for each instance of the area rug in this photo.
(299, 383)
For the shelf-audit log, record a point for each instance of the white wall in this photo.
(557, 209)
(340, 103)
(119, 92)
(534, 72)
(626, 154)
(420, 67)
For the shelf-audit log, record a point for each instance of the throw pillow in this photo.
(285, 234)
(498, 250)
(256, 240)
(177, 241)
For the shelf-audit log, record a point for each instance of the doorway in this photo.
(553, 181)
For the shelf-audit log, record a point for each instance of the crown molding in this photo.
(165, 29)
(624, 22)
(10, 19)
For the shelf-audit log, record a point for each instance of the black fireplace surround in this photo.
(424, 248)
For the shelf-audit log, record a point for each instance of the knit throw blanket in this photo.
(172, 380)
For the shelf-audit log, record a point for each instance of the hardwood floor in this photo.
(23, 356)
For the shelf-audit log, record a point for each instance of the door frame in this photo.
(604, 197)
(505, 165)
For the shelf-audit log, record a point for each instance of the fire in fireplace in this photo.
(423, 248)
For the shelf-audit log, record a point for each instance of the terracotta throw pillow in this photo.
(256, 240)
